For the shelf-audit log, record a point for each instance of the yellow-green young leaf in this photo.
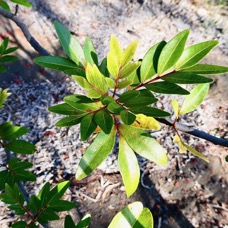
(128, 166)
(104, 120)
(147, 123)
(206, 69)
(96, 79)
(193, 54)
(133, 216)
(129, 69)
(96, 153)
(124, 83)
(82, 82)
(196, 153)
(129, 53)
(178, 141)
(172, 52)
(3, 96)
(90, 52)
(175, 106)
(144, 144)
(88, 126)
(112, 65)
(115, 49)
(194, 99)
(111, 84)
(93, 94)
(70, 45)
(149, 63)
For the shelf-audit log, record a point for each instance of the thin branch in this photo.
(26, 32)
(194, 132)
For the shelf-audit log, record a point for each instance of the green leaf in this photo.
(166, 88)
(82, 82)
(2, 69)
(186, 78)
(70, 45)
(115, 108)
(90, 52)
(103, 67)
(149, 111)
(55, 62)
(196, 153)
(206, 69)
(4, 126)
(149, 63)
(143, 144)
(96, 79)
(128, 95)
(194, 99)
(13, 132)
(4, 94)
(48, 214)
(68, 222)
(129, 53)
(64, 109)
(172, 52)
(176, 107)
(61, 205)
(88, 126)
(96, 154)
(110, 82)
(5, 42)
(4, 5)
(70, 121)
(133, 216)
(20, 224)
(10, 50)
(104, 120)
(20, 147)
(128, 166)
(127, 117)
(85, 222)
(193, 54)
(77, 71)
(8, 58)
(112, 65)
(58, 191)
(129, 69)
(93, 94)
(22, 2)
(124, 83)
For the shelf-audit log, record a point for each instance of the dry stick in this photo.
(26, 32)
(194, 132)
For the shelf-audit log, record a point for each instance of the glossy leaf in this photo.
(96, 79)
(77, 71)
(194, 99)
(4, 44)
(55, 62)
(124, 83)
(149, 111)
(143, 144)
(70, 45)
(96, 154)
(110, 82)
(133, 216)
(10, 50)
(93, 94)
(113, 65)
(64, 109)
(129, 69)
(127, 117)
(149, 63)
(172, 52)
(13, 132)
(69, 121)
(176, 107)
(166, 88)
(186, 78)
(129, 53)
(84, 222)
(128, 166)
(104, 120)
(90, 52)
(196, 153)
(68, 222)
(193, 54)
(115, 49)
(20, 147)
(8, 58)
(206, 69)
(88, 126)
(103, 67)
(147, 123)
(61, 205)
(128, 95)
(115, 108)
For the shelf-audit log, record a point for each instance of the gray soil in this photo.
(187, 192)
